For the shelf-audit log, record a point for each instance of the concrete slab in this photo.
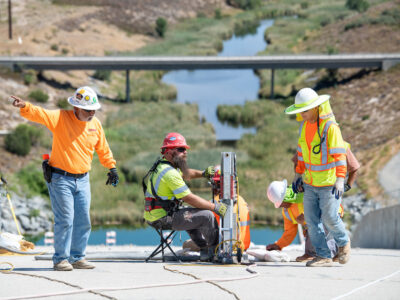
(370, 274)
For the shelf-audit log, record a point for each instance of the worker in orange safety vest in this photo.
(322, 160)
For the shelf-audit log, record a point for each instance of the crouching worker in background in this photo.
(76, 134)
(293, 214)
(165, 189)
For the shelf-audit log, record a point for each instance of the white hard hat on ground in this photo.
(306, 99)
(85, 98)
(276, 192)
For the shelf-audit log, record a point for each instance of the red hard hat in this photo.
(174, 140)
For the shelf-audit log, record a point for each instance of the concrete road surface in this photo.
(370, 274)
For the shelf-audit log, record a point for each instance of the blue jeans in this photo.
(321, 209)
(70, 201)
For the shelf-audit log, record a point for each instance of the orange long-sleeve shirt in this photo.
(74, 141)
(290, 227)
(311, 131)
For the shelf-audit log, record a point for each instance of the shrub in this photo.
(18, 141)
(64, 51)
(54, 47)
(245, 4)
(358, 5)
(39, 96)
(161, 26)
(62, 103)
(218, 14)
(29, 77)
(304, 5)
(104, 75)
(31, 177)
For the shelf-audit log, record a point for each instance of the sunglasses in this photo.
(181, 149)
(88, 111)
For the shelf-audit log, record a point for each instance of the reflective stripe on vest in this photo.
(320, 167)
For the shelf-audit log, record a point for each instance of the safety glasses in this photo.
(181, 149)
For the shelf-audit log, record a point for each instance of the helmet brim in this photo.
(96, 106)
(291, 110)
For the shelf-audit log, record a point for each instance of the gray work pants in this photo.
(200, 224)
(310, 250)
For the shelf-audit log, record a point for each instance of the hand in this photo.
(297, 184)
(113, 177)
(17, 102)
(338, 187)
(347, 187)
(209, 172)
(220, 209)
(271, 247)
(300, 219)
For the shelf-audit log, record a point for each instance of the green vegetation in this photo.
(20, 140)
(245, 4)
(161, 26)
(104, 75)
(62, 103)
(359, 5)
(32, 181)
(29, 77)
(39, 96)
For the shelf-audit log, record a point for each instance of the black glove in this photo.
(297, 184)
(113, 177)
(347, 187)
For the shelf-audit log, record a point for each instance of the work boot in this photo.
(207, 254)
(63, 265)
(304, 257)
(344, 253)
(335, 258)
(320, 262)
(83, 264)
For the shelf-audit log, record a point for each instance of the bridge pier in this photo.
(127, 88)
(272, 83)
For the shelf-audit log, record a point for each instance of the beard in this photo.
(180, 162)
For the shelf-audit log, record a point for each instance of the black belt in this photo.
(65, 173)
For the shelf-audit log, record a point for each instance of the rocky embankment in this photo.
(358, 206)
(33, 214)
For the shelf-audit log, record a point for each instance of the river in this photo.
(148, 236)
(209, 88)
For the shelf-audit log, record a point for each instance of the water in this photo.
(209, 88)
(148, 236)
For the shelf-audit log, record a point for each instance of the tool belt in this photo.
(65, 173)
(170, 206)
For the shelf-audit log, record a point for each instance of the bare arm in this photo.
(198, 202)
(192, 174)
(352, 177)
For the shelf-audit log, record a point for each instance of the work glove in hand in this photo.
(209, 172)
(347, 187)
(220, 209)
(271, 247)
(297, 184)
(338, 187)
(113, 177)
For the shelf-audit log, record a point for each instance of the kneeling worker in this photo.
(164, 190)
(293, 213)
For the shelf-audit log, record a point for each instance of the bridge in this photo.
(382, 61)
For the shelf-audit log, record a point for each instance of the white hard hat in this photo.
(276, 192)
(306, 99)
(85, 98)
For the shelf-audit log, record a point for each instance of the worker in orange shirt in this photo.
(322, 160)
(76, 134)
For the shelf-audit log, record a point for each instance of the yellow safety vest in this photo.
(321, 167)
